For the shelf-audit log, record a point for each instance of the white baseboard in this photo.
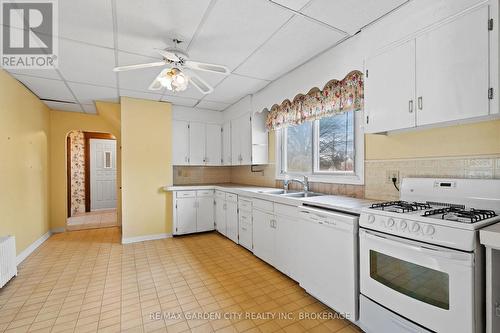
(29, 250)
(58, 230)
(129, 240)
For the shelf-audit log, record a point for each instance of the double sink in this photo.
(293, 194)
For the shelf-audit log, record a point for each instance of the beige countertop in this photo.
(490, 236)
(335, 202)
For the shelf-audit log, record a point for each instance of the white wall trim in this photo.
(29, 250)
(128, 240)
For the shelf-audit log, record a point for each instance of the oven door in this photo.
(430, 285)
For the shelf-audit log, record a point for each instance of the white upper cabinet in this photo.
(180, 137)
(213, 150)
(226, 143)
(390, 89)
(236, 127)
(241, 140)
(197, 139)
(440, 76)
(453, 71)
(260, 142)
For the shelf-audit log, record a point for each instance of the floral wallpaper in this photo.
(77, 172)
(336, 97)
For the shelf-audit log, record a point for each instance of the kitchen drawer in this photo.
(231, 197)
(185, 194)
(245, 230)
(220, 195)
(264, 205)
(246, 217)
(245, 204)
(286, 210)
(205, 193)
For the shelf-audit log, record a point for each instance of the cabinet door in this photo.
(245, 229)
(286, 245)
(220, 216)
(205, 214)
(390, 89)
(185, 216)
(226, 143)
(453, 71)
(197, 142)
(180, 140)
(246, 140)
(232, 221)
(263, 235)
(235, 142)
(213, 154)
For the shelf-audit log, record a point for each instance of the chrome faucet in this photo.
(304, 183)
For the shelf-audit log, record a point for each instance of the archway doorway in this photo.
(92, 180)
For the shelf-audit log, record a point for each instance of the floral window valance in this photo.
(336, 97)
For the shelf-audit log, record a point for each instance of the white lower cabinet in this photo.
(245, 232)
(263, 235)
(226, 214)
(286, 239)
(193, 211)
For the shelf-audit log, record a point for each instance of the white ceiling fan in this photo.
(177, 75)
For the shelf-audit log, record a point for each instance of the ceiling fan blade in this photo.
(139, 66)
(200, 84)
(155, 85)
(168, 55)
(201, 66)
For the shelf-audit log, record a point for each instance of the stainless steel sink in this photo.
(302, 194)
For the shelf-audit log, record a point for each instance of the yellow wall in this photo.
(61, 123)
(24, 165)
(146, 159)
(461, 140)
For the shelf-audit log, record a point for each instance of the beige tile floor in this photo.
(89, 220)
(86, 281)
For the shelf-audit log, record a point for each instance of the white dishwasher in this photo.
(329, 258)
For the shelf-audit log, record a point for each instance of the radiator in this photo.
(8, 267)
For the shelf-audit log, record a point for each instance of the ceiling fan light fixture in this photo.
(174, 80)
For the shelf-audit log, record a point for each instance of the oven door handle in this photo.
(433, 251)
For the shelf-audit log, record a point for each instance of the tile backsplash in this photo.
(196, 175)
(376, 171)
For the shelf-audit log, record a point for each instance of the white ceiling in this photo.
(259, 40)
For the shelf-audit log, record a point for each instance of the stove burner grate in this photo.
(401, 206)
(461, 215)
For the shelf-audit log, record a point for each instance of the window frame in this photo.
(336, 177)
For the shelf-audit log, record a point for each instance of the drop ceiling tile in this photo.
(235, 87)
(298, 41)
(177, 100)
(139, 79)
(84, 63)
(234, 29)
(145, 25)
(214, 106)
(47, 88)
(293, 4)
(140, 94)
(88, 21)
(59, 106)
(43, 73)
(350, 15)
(89, 108)
(87, 94)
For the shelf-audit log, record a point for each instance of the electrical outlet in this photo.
(392, 174)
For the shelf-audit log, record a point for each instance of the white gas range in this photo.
(421, 264)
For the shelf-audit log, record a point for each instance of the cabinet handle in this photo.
(410, 106)
(420, 103)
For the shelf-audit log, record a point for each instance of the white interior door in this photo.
(214, 144)
(453, 70)
(390, 89)
(102, 174)
(197, 139)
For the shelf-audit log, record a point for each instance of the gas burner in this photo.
(401, 206)
(460, 215)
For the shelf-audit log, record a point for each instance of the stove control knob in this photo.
(429, 230)
(389, 223)
(415, 227)
(371, 219)
(402, 225)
